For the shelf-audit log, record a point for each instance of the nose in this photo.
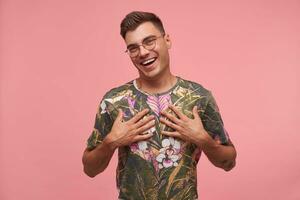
(143, 51)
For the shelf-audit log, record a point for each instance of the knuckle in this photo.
(131, 127)
(134, 132)
(134, 139)
(167, 133)
(144, 136)
(180, 123)
(184, 124)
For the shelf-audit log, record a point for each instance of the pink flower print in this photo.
(131, 102)
(159, 103)
(134, 147)
(170, 153)
(141, 148)
(147, 155)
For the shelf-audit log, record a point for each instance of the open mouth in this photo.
(148, 62)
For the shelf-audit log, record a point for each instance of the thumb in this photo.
(120, 115)
(195, 113)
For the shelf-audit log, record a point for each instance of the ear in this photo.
(168, 41)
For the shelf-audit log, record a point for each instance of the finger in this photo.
(138, 116)
(195, 112)
(172, 134)
(171, 117)
(120, 115)
(170, 124)
(145, 127)
(177, 112)
(143, 121)
(142, 137)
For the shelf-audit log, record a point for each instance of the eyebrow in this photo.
(133, 44)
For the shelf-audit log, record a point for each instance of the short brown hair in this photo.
(136, 18)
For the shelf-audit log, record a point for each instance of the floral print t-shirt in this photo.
(162, 167)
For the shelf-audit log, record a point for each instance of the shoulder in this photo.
(119, 91)
(195, 87)
(114, 96)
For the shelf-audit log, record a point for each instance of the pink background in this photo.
(57, 59)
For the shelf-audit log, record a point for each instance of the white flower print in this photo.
(142, 145)
(151, 130)
(142, 148)
(139, 146)
(103, 107)
(170, 153)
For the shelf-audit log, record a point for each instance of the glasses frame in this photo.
(144, 45)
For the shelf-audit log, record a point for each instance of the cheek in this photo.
(164, 50)
(164, 56)
(134, 61)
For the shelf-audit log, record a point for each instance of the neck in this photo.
(156, 85)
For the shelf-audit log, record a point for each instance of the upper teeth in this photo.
(148, 61)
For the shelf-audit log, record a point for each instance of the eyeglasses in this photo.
(148, 43)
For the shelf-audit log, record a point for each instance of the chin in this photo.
(152, 74)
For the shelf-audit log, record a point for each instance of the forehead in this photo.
(144, 30)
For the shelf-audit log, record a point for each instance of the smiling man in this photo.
(160, 123)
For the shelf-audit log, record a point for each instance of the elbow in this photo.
(228, 165)
(88, 167)
(89, 173)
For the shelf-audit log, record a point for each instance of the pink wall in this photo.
(57, 59)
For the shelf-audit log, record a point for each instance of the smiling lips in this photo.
(148, 62)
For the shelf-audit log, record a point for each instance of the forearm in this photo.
(95, 161)
(222, 156)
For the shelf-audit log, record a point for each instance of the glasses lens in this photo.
(133, 51)
(149, 44)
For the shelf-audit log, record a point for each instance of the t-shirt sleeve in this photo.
(103, 125)
(213, 122)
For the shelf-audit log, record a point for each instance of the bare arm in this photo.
(95, 161)
(222, 156)
(122, 134)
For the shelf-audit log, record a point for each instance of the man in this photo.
(160, 123)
